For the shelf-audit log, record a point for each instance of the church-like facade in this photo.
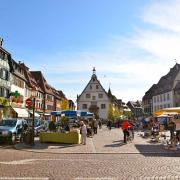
(94, 96)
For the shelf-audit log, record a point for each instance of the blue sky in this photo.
(131, 43)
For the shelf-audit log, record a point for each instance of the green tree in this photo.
(5, 103)
(64, 120)
(64, 104)
(94, 109)
(116, 113)
(128, 114)
(110, 112)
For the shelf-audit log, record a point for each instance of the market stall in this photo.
(170, 111)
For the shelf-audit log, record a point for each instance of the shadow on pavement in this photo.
(115, 144)
(42, 146)
(6, 146)
(156, 150)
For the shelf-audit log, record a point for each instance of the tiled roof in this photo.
(62, 95)
(133, 104)
(93, 77)
(42, 82)
(18, 70)
(2, 49)
(149, 93)
(166, 82)
(31, 80)
(177, 87)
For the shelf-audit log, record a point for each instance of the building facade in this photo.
(33, 90)
(147, 101)
(18, 90)
(18, 83)
(4, 80)
(51, 101)
(136, 108)
(71, 105)
(166, 93)
(94, 97)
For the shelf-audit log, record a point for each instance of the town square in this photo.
(89, 90)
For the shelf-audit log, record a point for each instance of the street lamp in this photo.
(34, 101)
(31, 102)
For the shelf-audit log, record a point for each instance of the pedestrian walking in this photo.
(95, 126)
(100, 124)
(83, 131)
(171, 127)
(91, 125)
(109, 124)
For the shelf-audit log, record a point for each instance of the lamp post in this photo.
(31, 103)
(34, 101)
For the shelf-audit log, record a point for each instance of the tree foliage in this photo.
(110, 112)
(64, 120)
(64, 104)
(116, 113)
(94, 109)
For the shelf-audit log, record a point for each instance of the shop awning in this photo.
(47, 114)
(168, 111)
(84, 114)
(21, 112)
(69, 113)
(56, 113)
(35, 114)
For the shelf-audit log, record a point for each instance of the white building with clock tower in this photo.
(95, 95)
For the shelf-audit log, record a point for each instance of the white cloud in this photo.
(164, 14)
(162, 37)
(130, 64)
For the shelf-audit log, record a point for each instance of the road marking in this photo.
(31, 161)
(100, 178)
(24, 161)
(24, 178)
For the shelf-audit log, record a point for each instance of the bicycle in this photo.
(130, 137)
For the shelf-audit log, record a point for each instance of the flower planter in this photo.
(56, 137)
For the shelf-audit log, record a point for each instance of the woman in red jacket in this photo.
(125, 126)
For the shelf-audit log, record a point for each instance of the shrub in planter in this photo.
(52, 126)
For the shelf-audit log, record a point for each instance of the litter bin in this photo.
(28, 137)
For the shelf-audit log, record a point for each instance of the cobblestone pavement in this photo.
(29, 165)
(137, 160)
(104, 142)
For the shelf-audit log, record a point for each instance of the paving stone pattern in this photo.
(137, 160)
(106, 141)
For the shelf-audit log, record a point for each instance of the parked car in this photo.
(39, 125)
(11, 129)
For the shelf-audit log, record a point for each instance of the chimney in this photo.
(1, 42)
